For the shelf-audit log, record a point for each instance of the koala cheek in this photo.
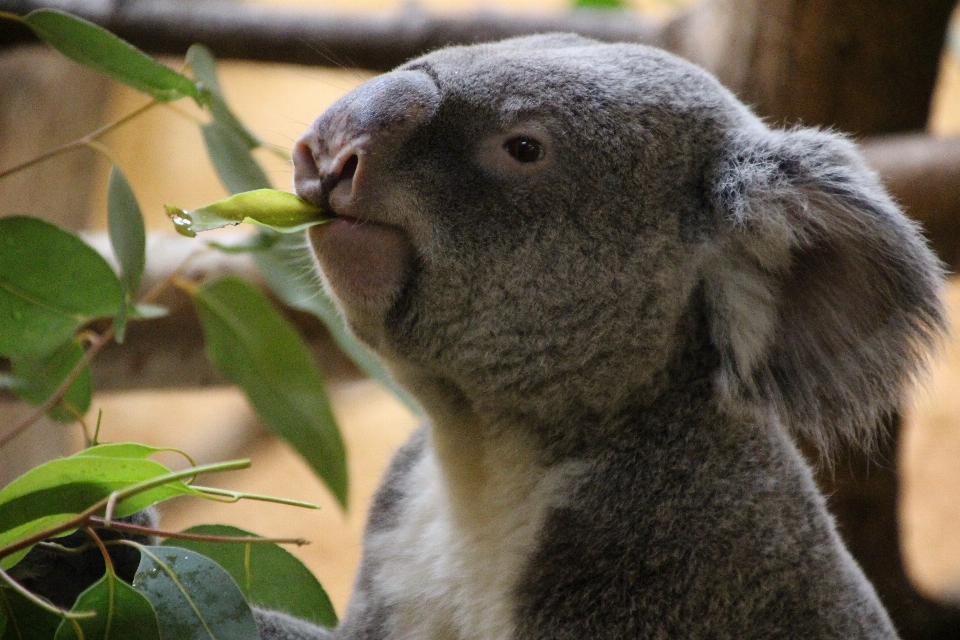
(365, 263)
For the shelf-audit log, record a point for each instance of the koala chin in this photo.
(620, 297)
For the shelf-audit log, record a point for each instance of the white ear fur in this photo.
(825, 297)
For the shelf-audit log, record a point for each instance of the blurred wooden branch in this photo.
(169, 352)
(274, 34)
(922, 171)
(865, 67)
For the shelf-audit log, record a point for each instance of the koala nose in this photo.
(340, 160)
(327, 179)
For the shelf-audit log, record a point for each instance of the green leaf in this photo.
(97, 48)
(51, 493)
(128, 238)
(36, 379)
(598, 4)
(51, 284)
(237, 168)
(276, 210)
(119, 450)
(255, 347)
(27, 530)
(204, 67)
(25, 620)
(127, 233)
(122, 613)
(195, 599)
(288, 269)
(261, 241)
(268, 575)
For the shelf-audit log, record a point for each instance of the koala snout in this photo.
(345, 163)
(344, 160)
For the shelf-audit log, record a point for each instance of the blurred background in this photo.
(45, 101)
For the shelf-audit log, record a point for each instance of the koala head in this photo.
(530, 228)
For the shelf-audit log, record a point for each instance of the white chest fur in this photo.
(469, 522)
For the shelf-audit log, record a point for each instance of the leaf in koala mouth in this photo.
(277, 210)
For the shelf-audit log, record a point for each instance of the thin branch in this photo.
(85, 141)
(95, 346)
(200, 537)
(83, 518)
(368, 41)
(107, 560)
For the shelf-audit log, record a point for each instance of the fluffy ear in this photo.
(824, 296)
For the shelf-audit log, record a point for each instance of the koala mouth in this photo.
(365, 262)
(364, 257)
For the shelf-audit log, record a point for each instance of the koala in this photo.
(620, 298)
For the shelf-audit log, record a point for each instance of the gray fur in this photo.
(616, 348)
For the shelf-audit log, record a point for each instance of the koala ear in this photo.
(824, 297)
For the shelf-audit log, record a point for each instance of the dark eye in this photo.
(524, 149)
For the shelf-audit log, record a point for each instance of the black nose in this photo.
(343, 153)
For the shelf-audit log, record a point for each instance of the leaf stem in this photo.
(236, 496)
(199, 537)
(107, 560)
(96, 344)
(79, 142)
(102, 149)
(183, 113)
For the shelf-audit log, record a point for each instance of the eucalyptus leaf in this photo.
(195, 599)
(62, 488)
(260, 241)
(288, 269)
(204, 67)
(268, 575)
(255, 347)
(129, 240)
(231, 157)
(127, 232)
(25, 620)
(133, 450)
(36, 379)
(269, 208)
(598, 4)
(122, 613)
(51, 284)
(97, 48)
(24, 531)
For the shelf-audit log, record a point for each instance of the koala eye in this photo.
(524, 149)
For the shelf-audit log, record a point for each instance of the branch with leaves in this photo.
(62, 305)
